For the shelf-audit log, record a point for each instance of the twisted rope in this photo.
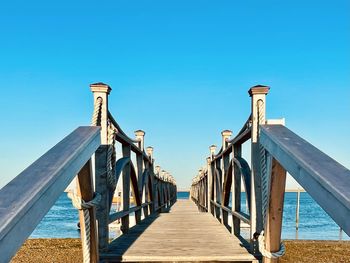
(265, 191)
(263, 168)
(80, 204)
(269, 254)
(111, 158)
(111, 153)
(97, 112)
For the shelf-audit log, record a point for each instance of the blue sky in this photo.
(180, 70)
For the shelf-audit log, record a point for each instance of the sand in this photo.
(69, 250)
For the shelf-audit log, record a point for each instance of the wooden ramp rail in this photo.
(27, 198)
(275, 150)
(152, 189)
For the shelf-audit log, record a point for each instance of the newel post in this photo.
(149, 152)
(140, 137)
(226, 134)
(156, 187)
(258, 106)
(209, 185)
(100, 92)
(215, 181)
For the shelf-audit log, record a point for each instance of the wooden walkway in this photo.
(181, 235)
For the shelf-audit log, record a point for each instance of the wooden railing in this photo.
(152, 190)
(91, 153)
(27, 198)
(274, 150)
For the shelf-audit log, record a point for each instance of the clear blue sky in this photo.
(180, 70)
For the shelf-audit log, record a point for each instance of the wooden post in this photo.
(162, 190)
(156, 203)
(258, 97)
(126, 189)
(102, 90)
(209, 185)
(297, 211)
(140, 137)
(150, 155)
(218, 188)
(236, 191)
(226, 134)
(275, 211)
(213, 180)
(86, 191)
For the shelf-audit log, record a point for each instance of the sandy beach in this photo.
(69, 250)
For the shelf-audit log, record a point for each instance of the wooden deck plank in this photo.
(183, 234)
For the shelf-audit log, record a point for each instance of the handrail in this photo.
(117, 126)
(243, 135)
(327, 181)
(29, 196)
(275, 150)
(151, 190)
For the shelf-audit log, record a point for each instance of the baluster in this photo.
(126, 189)
(236, 191)
(156, 203)
(218, 183)
(101, 90)
(258, 97)
(209, 186)
(162, 199)
(140, 135)
(226, 134)
(213, 179)
(149, 166)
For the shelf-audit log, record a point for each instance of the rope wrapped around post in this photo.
(265, 182)
(263, 168)
(97, 112)
(111, 158)
(80, 204)
(269, 254)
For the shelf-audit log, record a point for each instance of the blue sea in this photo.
(314, 223)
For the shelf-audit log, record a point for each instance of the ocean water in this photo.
(314, 223)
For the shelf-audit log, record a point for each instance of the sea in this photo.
(314, 222)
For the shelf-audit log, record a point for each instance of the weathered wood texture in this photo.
(27, 198)
(85, 190)
(327, 181)
(273, 228)
(183, 234)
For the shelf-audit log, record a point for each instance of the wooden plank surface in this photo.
(183, 234)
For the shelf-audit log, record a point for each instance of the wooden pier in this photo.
(182, 234)
(205, 228)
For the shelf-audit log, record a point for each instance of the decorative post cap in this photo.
(140, 134)
(149, 150)
(163, 174)
(258, 89)
(226, 133)
(100, 87)
(212, 148)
